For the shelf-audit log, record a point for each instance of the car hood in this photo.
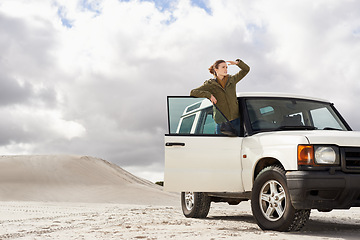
(340, 138)
(333, 137)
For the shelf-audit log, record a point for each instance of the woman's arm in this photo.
(202, 92)
(242, 73)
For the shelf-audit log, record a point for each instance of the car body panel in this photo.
(203, 164)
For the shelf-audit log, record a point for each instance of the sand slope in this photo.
(64, 178)
(74, 197)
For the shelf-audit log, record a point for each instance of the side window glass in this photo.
(209, 125)
(180, 108)
(186, 124)
(188, 115)
(323, 118)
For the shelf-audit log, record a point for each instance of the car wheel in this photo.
(195, 204)
(271, 203)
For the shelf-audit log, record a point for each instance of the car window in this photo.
(323, 118)
(209, 124)
(188, 115)
(268, 114)
(186, 124)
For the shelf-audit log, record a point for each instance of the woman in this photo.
(221, 91)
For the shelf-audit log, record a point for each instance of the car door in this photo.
(196, 158)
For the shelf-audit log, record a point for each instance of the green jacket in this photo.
(226, 97)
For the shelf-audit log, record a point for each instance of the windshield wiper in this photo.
(330, 128)
(296, 128)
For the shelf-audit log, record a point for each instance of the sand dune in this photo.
(64, 178)
(79, 197)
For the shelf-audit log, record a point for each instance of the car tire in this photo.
(271, 203)
(195, 204)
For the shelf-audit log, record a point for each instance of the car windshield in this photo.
(268, 114)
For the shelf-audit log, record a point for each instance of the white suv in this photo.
(292, 154)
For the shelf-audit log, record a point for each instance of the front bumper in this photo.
(323, 190)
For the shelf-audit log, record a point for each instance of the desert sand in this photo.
(79, 197)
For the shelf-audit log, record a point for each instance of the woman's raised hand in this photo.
(231, 62)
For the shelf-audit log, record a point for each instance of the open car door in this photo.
(198, 159)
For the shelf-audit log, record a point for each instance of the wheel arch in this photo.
(263, 163)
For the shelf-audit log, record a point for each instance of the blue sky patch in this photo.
(162, 5)
(90, 5)
(202, 4)
(64, 21)
(168, 5)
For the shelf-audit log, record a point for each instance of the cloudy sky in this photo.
(91, 77)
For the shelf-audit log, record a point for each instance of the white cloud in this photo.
(35, 124)
(95, 77)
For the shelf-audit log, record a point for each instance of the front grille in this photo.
(350, 159)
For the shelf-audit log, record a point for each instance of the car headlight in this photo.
(313, 155)
(326, 155)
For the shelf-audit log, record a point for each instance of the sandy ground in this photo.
(77, 197)
(36, 220)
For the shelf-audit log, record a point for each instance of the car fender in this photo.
(282, 147)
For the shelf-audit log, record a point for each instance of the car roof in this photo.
(276, 94)
(205, 103)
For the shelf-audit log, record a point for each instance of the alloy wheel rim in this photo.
(272, 200)
(189, 200)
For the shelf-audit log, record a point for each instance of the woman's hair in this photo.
(215, 66)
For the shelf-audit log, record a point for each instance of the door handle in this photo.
(169, 144)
